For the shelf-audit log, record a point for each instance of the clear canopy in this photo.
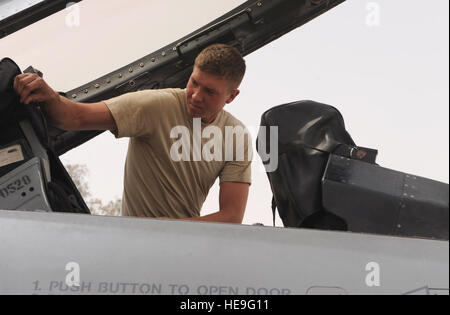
(10, 7)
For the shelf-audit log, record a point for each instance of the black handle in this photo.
(247, 11)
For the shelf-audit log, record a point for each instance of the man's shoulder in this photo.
(179, 94)
(145, 96)
(176, 92)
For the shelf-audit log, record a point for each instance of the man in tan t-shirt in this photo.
(181, 141)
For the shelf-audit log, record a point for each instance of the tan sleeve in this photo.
(239, 171)
(139, 113)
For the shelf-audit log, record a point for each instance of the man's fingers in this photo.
(29, 89)
(22, 80)
(32, 88)
(28, 100)
(33, 98)
(26, 81)
(18, 79)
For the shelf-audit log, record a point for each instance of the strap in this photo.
(274, 209)
(333, 147)
(328, 146)
(39, 123)
(37, 117)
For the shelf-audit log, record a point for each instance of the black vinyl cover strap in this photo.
(274, 209)
(37, 117)
(334, 147)
(328, 146)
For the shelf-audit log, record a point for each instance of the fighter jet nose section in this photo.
(31, 176)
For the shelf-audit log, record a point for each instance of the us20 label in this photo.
(14, 186)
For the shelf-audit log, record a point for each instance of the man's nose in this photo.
(197, 96)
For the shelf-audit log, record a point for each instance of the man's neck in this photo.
(210, 120)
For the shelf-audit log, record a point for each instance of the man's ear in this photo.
(233, 95)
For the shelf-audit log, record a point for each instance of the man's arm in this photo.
(62, 112)
(233, 200)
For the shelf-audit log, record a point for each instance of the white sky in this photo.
(389, 81)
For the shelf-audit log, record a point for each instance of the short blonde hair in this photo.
(224, 61)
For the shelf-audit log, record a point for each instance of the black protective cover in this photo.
(308, 131)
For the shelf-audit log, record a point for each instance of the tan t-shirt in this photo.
(167, 172)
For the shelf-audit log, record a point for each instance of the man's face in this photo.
(207, 94)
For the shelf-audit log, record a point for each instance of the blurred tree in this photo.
(79, 173)
(110, 209)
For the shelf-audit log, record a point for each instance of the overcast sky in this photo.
(383, 64)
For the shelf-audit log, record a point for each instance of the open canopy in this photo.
(17, 14)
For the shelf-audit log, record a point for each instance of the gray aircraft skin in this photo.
(146, 256)
(44, 252)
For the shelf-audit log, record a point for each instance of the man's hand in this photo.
(32, 88)
(160, 218)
